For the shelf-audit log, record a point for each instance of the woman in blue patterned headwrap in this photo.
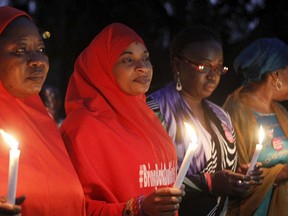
(264, 65)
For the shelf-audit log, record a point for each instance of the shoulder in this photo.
(220, 112)
(236, 101)
(217, 109)
(80, 123)
(163, 93)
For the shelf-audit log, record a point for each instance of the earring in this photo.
(278, 85)
(178, 84)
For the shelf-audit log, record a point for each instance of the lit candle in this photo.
(257, 150)
(13, 166)
(187, 158)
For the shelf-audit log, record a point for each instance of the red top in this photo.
(46, 175)
(117, 144)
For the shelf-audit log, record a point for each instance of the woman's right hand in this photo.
(10, 209)
(164, 201)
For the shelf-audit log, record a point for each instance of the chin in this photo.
(37, 87)
(142, 89)
(138, 92)
(208, 93)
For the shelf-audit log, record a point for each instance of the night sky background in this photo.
(74, 23)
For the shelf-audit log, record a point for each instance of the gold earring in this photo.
(279, 85)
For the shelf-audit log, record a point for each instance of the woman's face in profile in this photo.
(133, 70)
(23, 62)
(209, 54)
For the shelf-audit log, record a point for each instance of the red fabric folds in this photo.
(46, 175)
(113, 137)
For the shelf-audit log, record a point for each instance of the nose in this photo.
(36, 59)
(212, 75)
(143, 66)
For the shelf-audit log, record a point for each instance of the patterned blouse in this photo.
(274, 151)
(215, 151)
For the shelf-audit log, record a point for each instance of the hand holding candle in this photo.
(13, 166)
(187, 158)
(257, 150)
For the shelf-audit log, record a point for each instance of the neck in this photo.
(194, 103)
(197, 110)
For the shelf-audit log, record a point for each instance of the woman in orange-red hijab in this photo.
(125, 160)
(45, 173)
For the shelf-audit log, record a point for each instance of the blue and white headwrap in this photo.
(264, 55)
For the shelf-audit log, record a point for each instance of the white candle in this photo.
(257, 150)
(13, 166)
(187, 158)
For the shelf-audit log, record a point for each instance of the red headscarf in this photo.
(93, 86)
(109, 134)
(8, 14)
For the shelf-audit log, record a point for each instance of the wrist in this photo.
(133, 207)
(208, 181)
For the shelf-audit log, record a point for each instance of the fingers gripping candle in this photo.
(13, 166)
(187, 158)
(257, 150)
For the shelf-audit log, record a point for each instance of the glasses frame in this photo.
(197, 67)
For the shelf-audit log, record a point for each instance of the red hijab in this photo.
(93, 87)
(8, 14)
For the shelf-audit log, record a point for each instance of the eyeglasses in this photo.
(204, 68)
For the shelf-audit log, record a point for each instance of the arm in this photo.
(90, 163)
(224, 182)
(109, 172)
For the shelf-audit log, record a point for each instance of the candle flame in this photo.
(191, 132)
(10, 140)
(261, 135)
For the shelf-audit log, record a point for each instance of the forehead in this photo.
(135, 46)
(203, 50)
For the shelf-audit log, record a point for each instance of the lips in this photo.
(36, 77)
(142, 80)
(210, 86)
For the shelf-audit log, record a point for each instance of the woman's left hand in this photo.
(256, 175)
(227, 182)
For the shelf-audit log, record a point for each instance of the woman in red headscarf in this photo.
(124, 158)
(46, 175)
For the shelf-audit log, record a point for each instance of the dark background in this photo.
(74, 23)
